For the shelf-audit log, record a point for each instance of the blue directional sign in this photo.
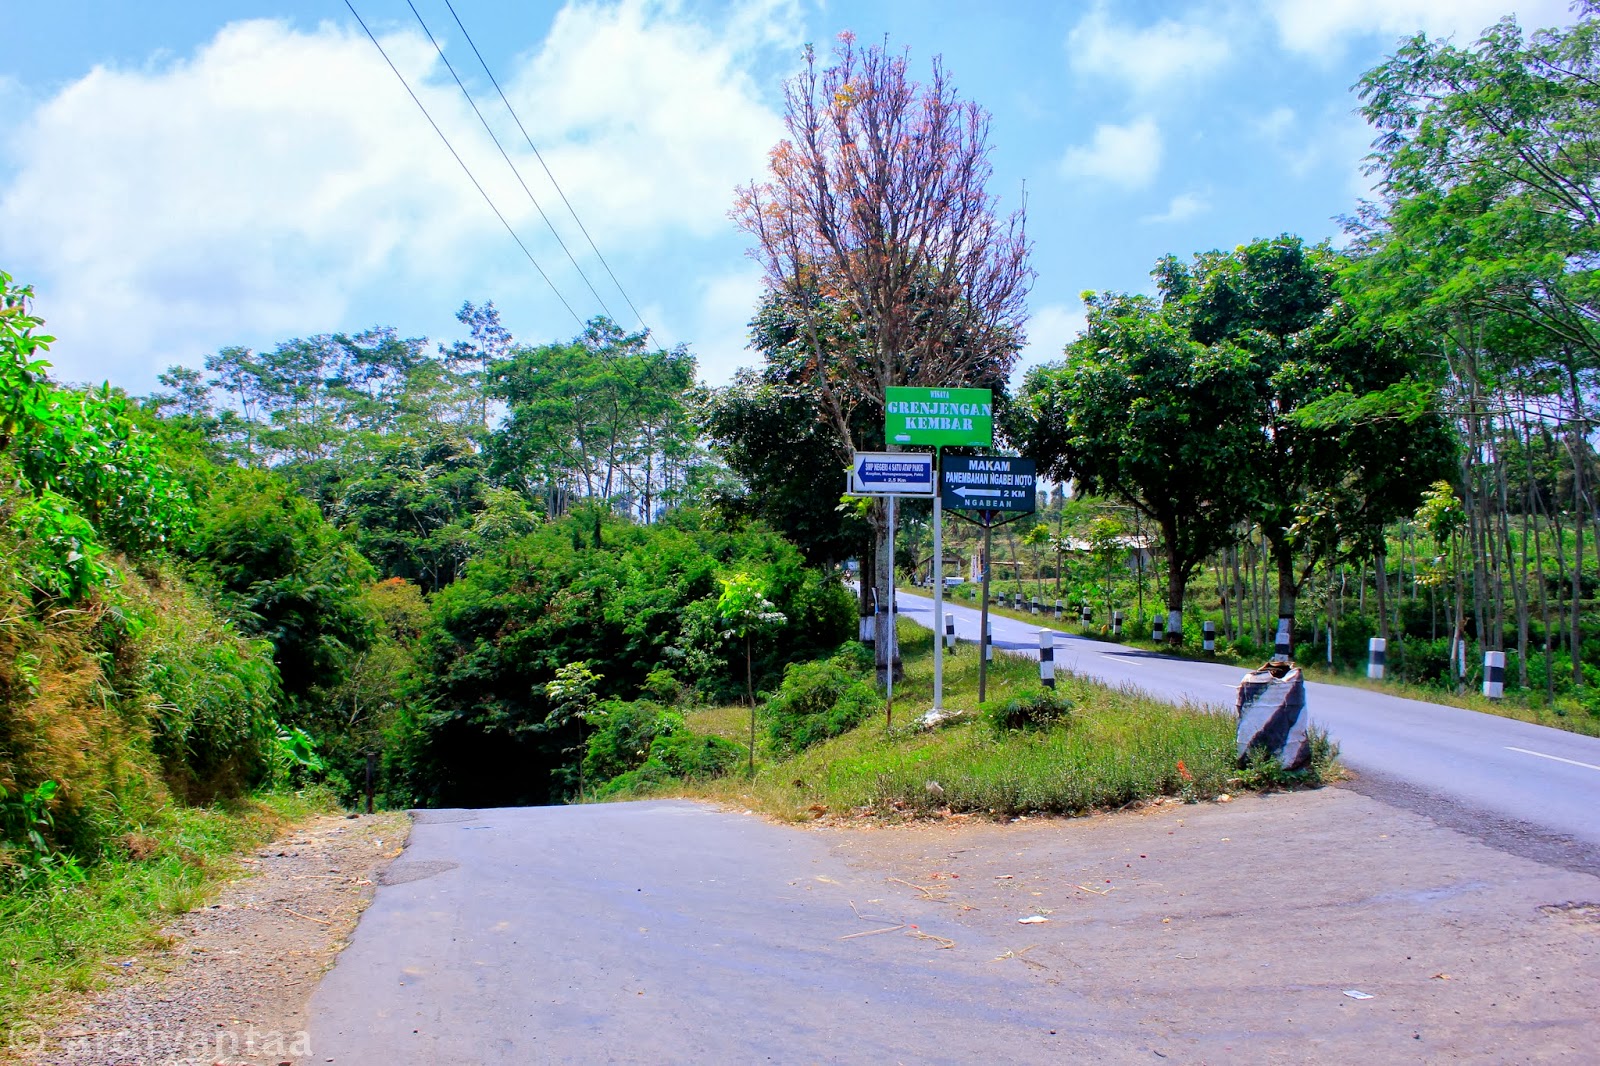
(989, 483)
(892, 474)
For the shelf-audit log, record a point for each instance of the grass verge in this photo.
(60, 931)
(1117, 747)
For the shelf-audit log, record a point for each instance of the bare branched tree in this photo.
(874, 216)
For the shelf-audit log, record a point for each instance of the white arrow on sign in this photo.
(964, 492)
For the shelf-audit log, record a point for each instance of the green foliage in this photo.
(693, 757)
(625, 735)
(60, 554)
(288, 576)
(212, 694)
(25, 817)
(645, 600)
(1039, 710)
(820, 699)
(24, 386)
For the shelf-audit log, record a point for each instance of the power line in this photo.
(537, 155)
(467, 170)
(503, 155)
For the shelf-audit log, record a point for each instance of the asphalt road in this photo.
(1533, 787)
(661, 932)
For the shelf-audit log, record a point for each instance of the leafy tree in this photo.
(1141, 411)
(572, 704)
(1487, 163)
(602, 417)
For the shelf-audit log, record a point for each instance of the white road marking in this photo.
(1555, 758)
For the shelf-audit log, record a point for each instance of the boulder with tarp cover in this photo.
(1272, 715)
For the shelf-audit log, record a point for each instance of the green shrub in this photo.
(1037, 710)
(694, 757)
(623, 736)
(820, 699)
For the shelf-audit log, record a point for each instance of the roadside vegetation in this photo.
(63, 926)
(1084, 747)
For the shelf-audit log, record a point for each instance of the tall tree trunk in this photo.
(1381, 564)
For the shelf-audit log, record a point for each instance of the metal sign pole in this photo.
(983, 613)
(938, 598)
(888, 706)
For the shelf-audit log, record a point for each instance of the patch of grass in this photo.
(1116, 747)
(59, 931)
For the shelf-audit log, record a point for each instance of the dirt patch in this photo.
(232, 987)
(1305, 927)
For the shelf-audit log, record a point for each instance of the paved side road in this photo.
(670, 932)
(654, 932)
(1524, 779)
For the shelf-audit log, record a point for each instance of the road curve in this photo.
(1514, 774)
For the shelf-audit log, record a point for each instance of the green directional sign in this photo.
(938, 416)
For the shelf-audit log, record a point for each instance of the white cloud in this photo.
(1145, 58)
(722, 329)
(1050, 329)
(1184, 206)
(261, 187)
(1321, 27)
(1123, 155)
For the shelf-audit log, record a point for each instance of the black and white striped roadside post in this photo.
(950, 631)
(1033, 605)
(1158, 629)
(1494, 674)
(1377, 651)
(1058, 610)
(1085, 616)
(1282, 645)
(1016, 600)
(988, 643)
(1116, 623)
(1208, 632)
(1047, 658)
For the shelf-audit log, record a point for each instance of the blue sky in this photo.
(176, 177)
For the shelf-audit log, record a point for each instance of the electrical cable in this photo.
(504, 155)
(540, 157)
(467, 170)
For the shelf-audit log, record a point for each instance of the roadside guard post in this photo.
(1209, 632)
(1494, 674)
(1047, 658)
(1377, 651)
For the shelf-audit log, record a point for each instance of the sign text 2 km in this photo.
(938, 416)
(989, 483)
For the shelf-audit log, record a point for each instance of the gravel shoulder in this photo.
(231, 986)
(1238, 932)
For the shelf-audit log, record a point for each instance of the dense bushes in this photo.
(822, 699)
(631, 602)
